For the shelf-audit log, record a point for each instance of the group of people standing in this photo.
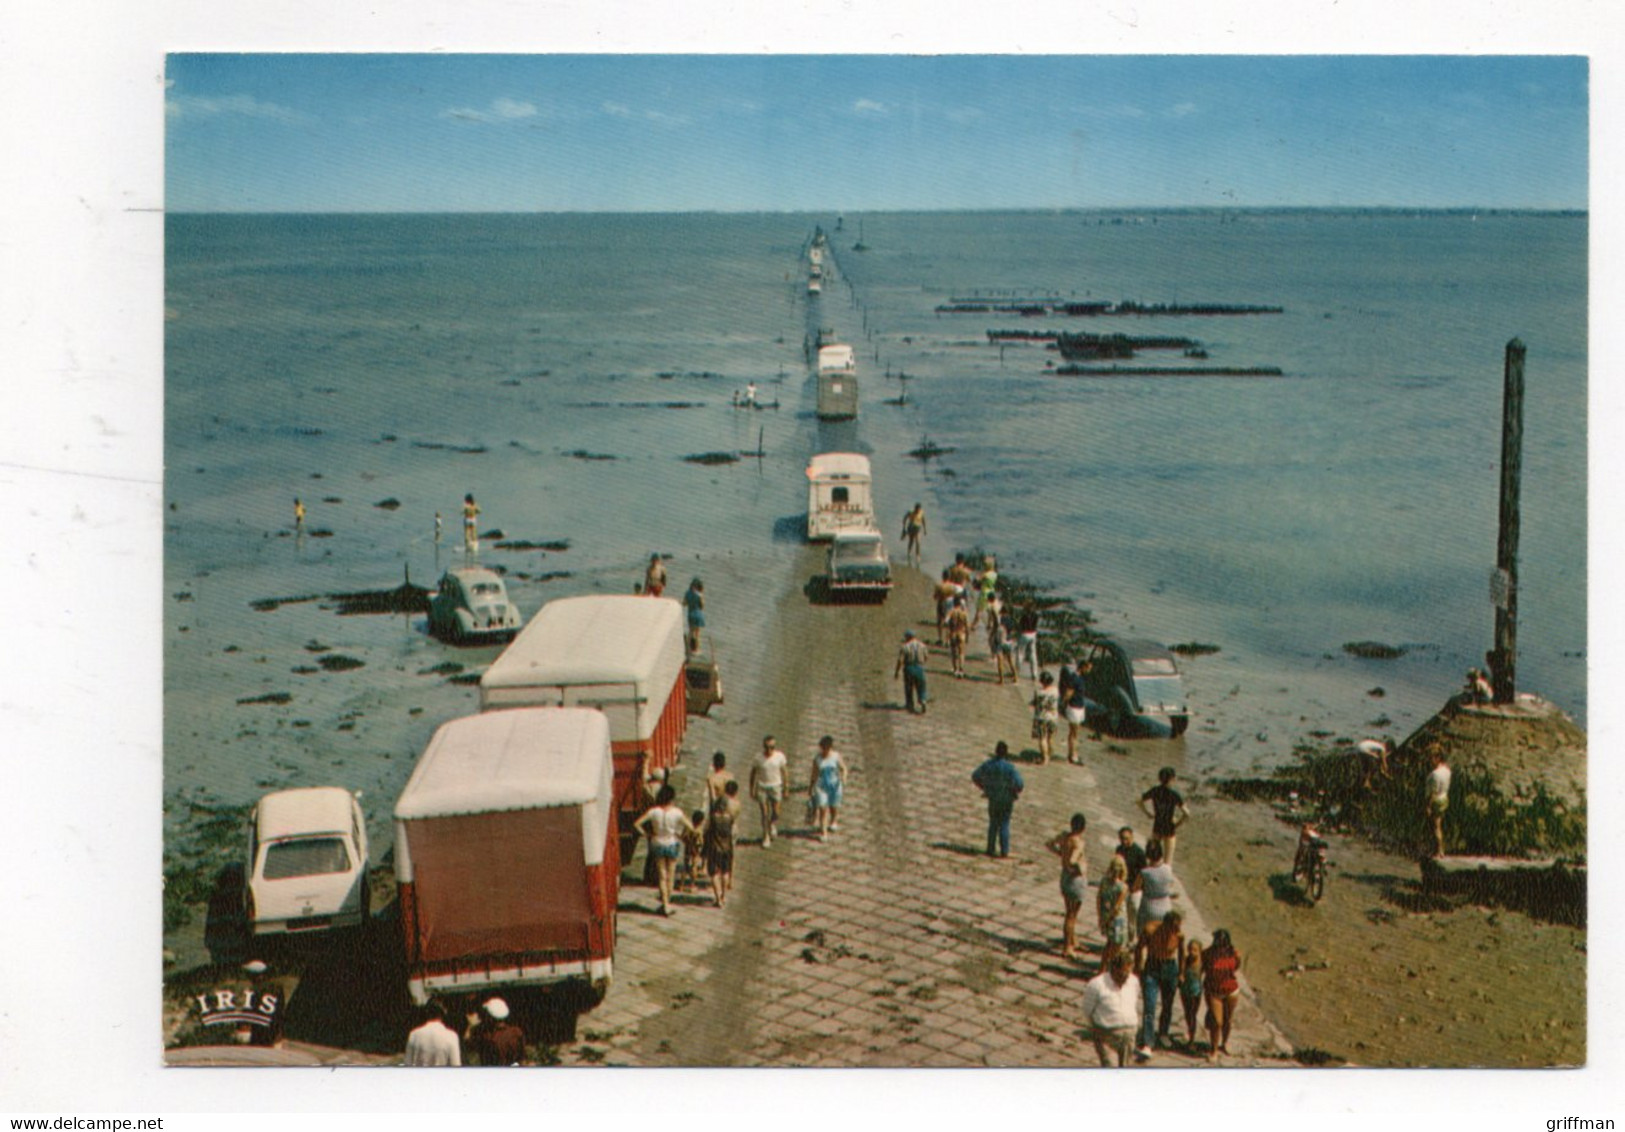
(684, 847)
(966, 598)
(488, 1037)
(1146, 961)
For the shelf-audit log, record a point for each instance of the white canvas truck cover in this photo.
(501, 762)
(621, 653)
(838, 355)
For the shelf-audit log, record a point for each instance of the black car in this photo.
(1135, 689)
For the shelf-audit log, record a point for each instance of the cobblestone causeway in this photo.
(896, 942)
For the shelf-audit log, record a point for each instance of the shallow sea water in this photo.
(1353, 499)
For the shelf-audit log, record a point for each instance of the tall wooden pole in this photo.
(1504, 659)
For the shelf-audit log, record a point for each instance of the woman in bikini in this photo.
(1221, 963)
(1069, 846)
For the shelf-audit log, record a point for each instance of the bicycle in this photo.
(1309, 865)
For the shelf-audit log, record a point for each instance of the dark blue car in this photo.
(1135, 689)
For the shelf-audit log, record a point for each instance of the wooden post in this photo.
(1504, 657)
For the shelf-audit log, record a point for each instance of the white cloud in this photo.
(239, 105)
(500, 110)
(868, 106)
(509, 108)
(621, 110)
(1121, 110)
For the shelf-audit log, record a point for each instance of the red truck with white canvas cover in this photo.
(506, 854)
(620, 653)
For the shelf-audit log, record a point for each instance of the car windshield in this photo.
(861, 550)
(305, 857)
(1159, 691)
(485, 589)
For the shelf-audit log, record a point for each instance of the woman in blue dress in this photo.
(694, 602)
(827, 785)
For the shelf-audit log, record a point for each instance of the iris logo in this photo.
(237, 1008)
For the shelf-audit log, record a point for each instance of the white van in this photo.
(840, 495)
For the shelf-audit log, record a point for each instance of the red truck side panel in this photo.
(500, 887)
(634, 758)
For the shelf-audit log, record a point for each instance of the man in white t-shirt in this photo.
(1111, 1009)
(1438, 799)
(767, 778)
(433, 1043)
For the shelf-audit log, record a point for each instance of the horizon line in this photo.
(1562, 210)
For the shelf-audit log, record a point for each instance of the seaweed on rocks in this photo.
(389, 504)
(338, 662)
(711, 458)
(526, 544)
(268, 604)
(1374, 650)
(267, 698)
(1193, 648)
(404, 598)
(462, 449)
(583, 454)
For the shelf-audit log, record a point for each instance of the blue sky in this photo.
(772, 132)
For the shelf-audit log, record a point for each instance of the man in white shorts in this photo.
(768, 775)
(1438, 799)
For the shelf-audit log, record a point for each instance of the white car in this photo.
(858, 565)
(472, 604)
(307, 862)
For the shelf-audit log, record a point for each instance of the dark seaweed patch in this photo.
(1193, 648)
(267, 604)
(465, 678)
(338, 662)
(464, 449)
(389, 504)
(444, 668)
(709, 458)
(404, 598)
(268, 698)
(583, 454)
(1374, 650)
(526, 544)
(638, 405)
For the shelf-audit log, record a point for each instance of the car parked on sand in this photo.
(1135, 689)
(307, 862)
(472, 604)
(858, 565)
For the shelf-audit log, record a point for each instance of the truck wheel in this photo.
(1178, 724)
